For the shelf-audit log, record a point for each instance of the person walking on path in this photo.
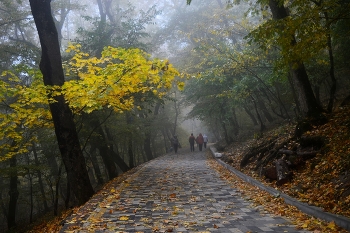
(200, 141)
(175, 142)
(205, 140)
(191, 140)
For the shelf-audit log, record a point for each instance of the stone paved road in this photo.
(180, 193)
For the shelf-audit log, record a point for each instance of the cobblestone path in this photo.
(180, 193)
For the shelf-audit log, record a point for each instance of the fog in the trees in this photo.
(229, 69)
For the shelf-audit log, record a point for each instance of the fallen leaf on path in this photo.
(124, 218)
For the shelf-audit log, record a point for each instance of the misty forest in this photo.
(92, 89)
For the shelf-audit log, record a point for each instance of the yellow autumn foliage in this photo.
(111, 81)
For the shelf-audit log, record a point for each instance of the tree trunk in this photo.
(176, 115)
(4, 211)
(95, 165)
(13, 193)
(262, 125)
(30, 183)
(130, 153)
(147, 146)
(57, 186)
(3, 208)
(234, 122)
(165, 140)
(51, 68)
(108, 162)
(130, 144)
(331, 69)
(251, 115)
(227, 138)
(264, 110)
(101, 142)
(308, 103)
(113, 149)
(119, 160)
(40, 180)
(297, 109)
(223, 124)
(148, 135)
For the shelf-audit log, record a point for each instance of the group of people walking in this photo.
(200, 140)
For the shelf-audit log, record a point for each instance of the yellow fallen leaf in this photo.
(332, 225)
(124, 218)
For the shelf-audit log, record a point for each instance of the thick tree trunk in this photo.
(306, 98)
(51, 68)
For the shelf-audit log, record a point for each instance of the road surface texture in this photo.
(176, 193)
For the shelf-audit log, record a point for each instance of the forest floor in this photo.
(321, 180)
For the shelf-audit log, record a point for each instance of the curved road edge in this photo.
(310, 210)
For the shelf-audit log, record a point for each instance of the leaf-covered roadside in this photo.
(322, 181)
(50, 223)
(275, 205)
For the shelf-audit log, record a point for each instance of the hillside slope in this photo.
(314, 166)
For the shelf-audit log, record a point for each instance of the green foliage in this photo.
(126, 30)
(307, 22)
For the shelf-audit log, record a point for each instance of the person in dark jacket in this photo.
(200, 141)
(191, 140)
(175, 142)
